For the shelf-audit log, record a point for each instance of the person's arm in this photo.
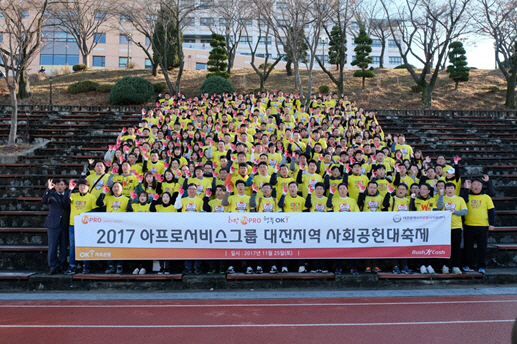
(292, 164)
(461, 212)
(326, 182)
(330, 204)
(308, 201)
(412, 206)
(281, 202)
(491, 217)
(177, 203)
(225, 201)
(100, 200)
(386, 202)
(274, 179)
(110, 180)
(253, 200)
(489, 185)
(299, 177)
(396, 182)
(208, 153)
(439, 204)
(206, 206)
(360, 200)
(129, 208)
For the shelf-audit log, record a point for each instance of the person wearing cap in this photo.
(478, 222)
(453, 175)
(80, 202)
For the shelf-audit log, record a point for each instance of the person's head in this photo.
(262, 167)
(83, 185)
(293, 189)
(240, 185)
(198, 171)
(335, 172)
(267, 189)
(356, 169)
(99, 167)
(243, 169)
(192, 190)
(343, 190)
(450, 188)
(166, 198)
(319, 188)
(313, 166)
(142, 197)
(415, 188)
(117, 188)
(450, 173)
(440, 160)
(60, 185)
(381, 171)
(219, 191)
(401, 190)
(431, 173)
(476, 186)
(372, 188)
(424, 190)
(148, 178)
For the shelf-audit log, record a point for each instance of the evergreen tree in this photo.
(458, 70)
(302, 52)
(218, 58)
(362, 52)
(165, 43)
(334, 46)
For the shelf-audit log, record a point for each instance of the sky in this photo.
(481, 54)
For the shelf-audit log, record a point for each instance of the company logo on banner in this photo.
(244, 220)
(87, 219)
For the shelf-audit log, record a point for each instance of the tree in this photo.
(335, 50)
(362, 52)
(142, 16)
(264, 35)
(301, 51)
(83, 20)
(498, 19)
(21, 42)
(423, 29)
(458, 70)
(165, 44)
(217, 58)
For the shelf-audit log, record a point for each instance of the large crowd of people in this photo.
(269, 152)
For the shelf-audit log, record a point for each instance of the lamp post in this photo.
(323, 41)
(50, 95)
(128, 42)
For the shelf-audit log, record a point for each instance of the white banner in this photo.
(262, 236)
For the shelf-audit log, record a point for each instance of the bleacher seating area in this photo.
(486, 142)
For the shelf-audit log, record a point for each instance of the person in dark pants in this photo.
(58, 201)
(479, 220)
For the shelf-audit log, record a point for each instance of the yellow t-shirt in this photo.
(347, 204)
(81, 204)
(189, 205)
(399, 204)
(139, 208)
(116, 204)
(97, 190)
(267, 205)
(478, 207)
(217, 206)
(161, 209)
(373, 203)
(353, 185)
(239, 204)
(129, 183)
(294, 204)
(454, 203)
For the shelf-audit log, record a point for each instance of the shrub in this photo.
(262, 65)
(403, 66)
(79, 67)
(493, 89)
(160, 87)
(63, 70)
(131, 90)
(216, 84)
(324, 89)
(131, 65)
(104, 88)
(83, 86)
(416, 89)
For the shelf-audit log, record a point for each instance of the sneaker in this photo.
(142, 271)
(222, 272)
(445, 269)
(110, 270)
(396, 270)
(212, 272)
(161, 271)
(456, 270)
(368, 269)
(406, 270)
(166, 272)
(70, 271)
(376, 269)
(324, 271)
(467, 269)
(249, 270)
(86, 271)
(259, 269)
(338, 272)
(230, 270)
(187, 272)
(423, 269)
(197, 271)
(354, 272)
(273, 270)
(136, 271)
(302, 269)
(481, 270)
(119, 269)
(430, 270)
(313, 271)
(284, 269)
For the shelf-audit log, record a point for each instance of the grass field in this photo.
(391, 89)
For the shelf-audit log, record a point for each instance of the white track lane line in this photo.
(255, 304)
(265, 325)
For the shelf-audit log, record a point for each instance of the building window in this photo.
(99, 61)
(395, 60)
(124, 18)
(222, 21)
(46, 60)
(122, 62)
(100, 38)
(392, 43)
(200, 66)
(25, 14)
(206, 21)
(122, 39)
(265, 40)
(246, 39)
(354, 58)
(190, 21)
(189, 40)
(376, 43)
(100, 15)
(147, 42)
(1, 37)
(207, 41)
(320, 57)
(376, 59)
(148, 64)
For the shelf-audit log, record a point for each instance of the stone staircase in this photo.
(487, 144)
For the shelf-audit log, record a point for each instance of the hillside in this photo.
(391, 89)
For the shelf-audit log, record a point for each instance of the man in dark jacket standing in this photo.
(58, 201)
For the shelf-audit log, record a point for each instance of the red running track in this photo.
(487, 319)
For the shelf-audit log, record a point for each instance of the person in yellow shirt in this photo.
(80, 202)
(260, 178)
(202, 183)
(116, 202)
(478, 222)
(142, 206)
(239, 202)
(128, 180)
(309, 178)
(356, 181)
(371, 200)
(290, 201)
(98, 179)
(216, 205)
(281, 179)
(266, 203)
(457, 206)
(163, 205)
(316, 202)
(341, 203)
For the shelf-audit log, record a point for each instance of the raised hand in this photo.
(50, 184)
(71, 184)
(133, 194)
(208, 192)
(485, 178)
(105, 188)
(332, 189)
(255, 187)
(361, 187)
